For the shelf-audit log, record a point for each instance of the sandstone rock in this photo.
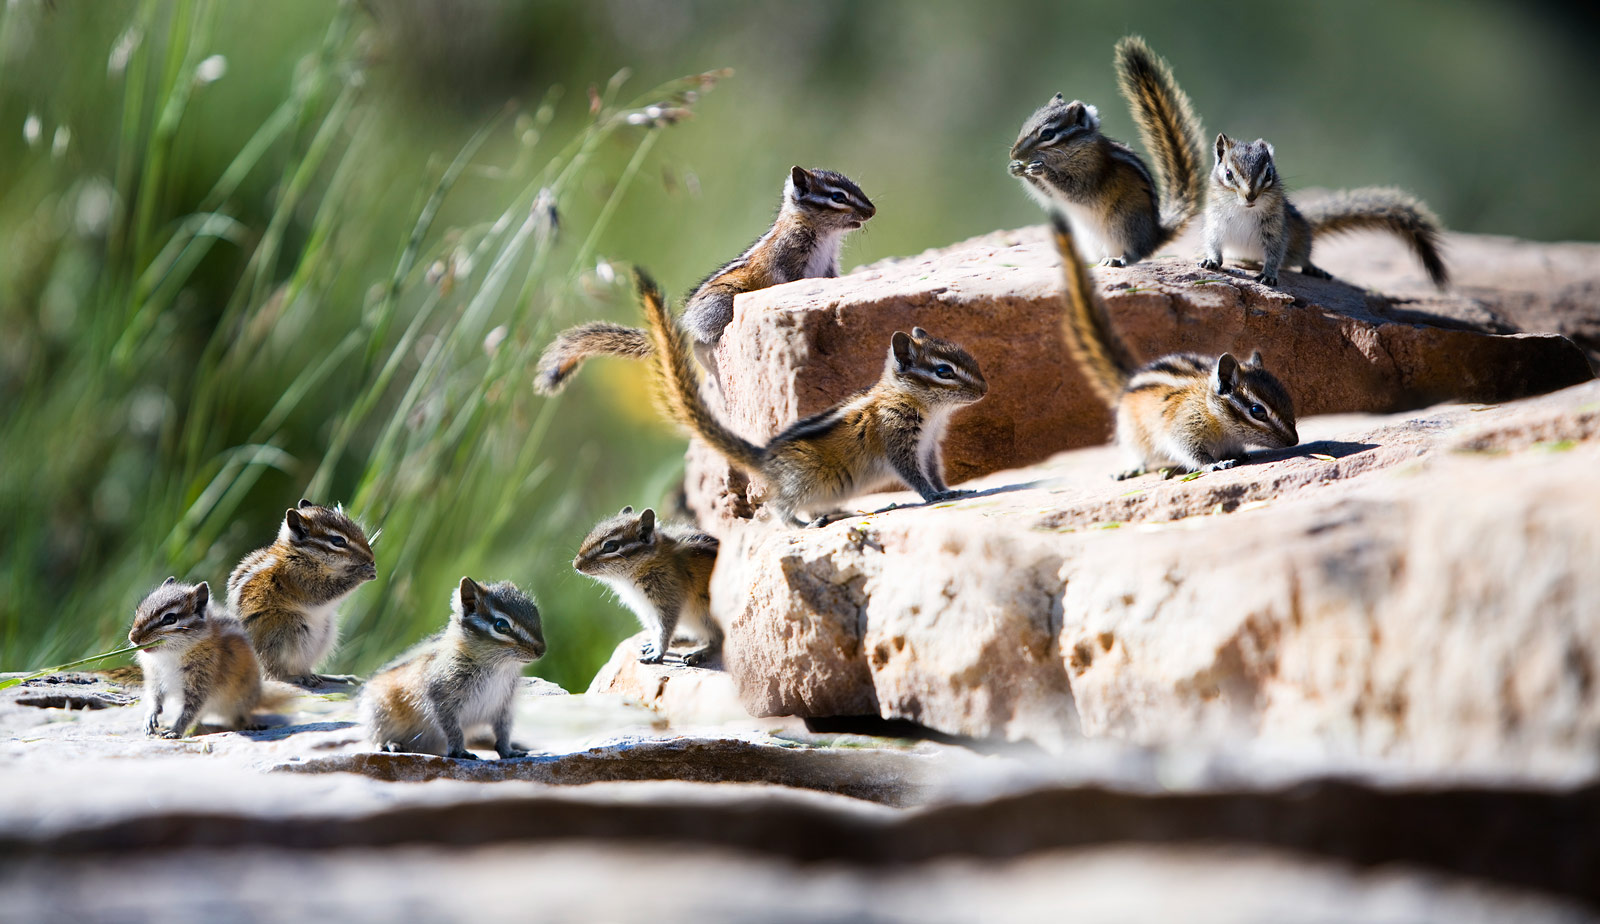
(684, 695)
(796, 349)
(1420, 588)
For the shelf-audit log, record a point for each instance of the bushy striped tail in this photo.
(1168, 129)
(1383, 209)
(679, 381)
(565, 354)
(1097, 348)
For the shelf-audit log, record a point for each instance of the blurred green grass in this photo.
(322, 272)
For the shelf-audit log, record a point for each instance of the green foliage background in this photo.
(327, 271)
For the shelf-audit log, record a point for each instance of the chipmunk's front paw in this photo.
(152, 725)
(651, 653)
(1210, 264)
(172, 733)
(1114, 261)
(512, 753)
(698, 657)
(1128, 473)
(1221, 464)
(461, 754)
(1266, 279)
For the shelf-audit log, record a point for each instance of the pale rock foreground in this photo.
(1422, 588)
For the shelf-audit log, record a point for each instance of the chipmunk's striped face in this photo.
(1246, 170)
(617, 543)
(171, 613)
(938, 371)
(1050, 133)
(830, 197)
(501, 617)
(1252, 402)
(326, 536)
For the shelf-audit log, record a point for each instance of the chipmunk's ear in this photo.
(170, 580)
(1223, 144)
(900, 345)
(801, 178)
(202, 598)
(918, 333)
(628, 509)
(647, 525)
(305, 503)
(1058, 98)
(1254, 362)
(468, 594)
(295, 523)
(1226, 376)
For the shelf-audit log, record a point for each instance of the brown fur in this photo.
(202, 659)
(662, 573)
(1181, 412)
(893, 429)
(286, 593)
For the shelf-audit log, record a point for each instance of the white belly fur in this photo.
(1241, 234)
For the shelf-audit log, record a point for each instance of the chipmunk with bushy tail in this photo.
(893, 430)
(819, 208)
(661, 573)
(1249, 215)
(1122, 213)
(1183, 411)
(426, 701)
(201, 659)
(287, 594)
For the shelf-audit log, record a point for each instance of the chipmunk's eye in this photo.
(838, 197)
(611, 545)
(169, 619)
(944, 371)
(1228, 174)
(338, 541)
(502, 627)
(1258, 412)
(1048, 135)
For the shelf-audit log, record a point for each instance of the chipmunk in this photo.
(1065, 162)
(1250, 216)
(893, 429)
(662, 573)
(1182, 412)
(286, 593)
(204, 660)
(819, 208)
(426, 700)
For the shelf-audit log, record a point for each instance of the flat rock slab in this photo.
(797, 349)
(1420, 588)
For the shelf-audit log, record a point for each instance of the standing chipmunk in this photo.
(286, 594)
(1250, 216)
(819, 208)
(892, 430)
(1182, 412)
(662, 573)
(202, 659)
(1066, 163)
(465, 677)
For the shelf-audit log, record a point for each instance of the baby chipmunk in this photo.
(892, 430)
(202, 659)
(662, 573)
(819, 208)
(1182, 412)
(287, 594)
(1067, 164)
(1250, 216)
(465, 677)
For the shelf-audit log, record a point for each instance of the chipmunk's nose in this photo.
(369, 571)
(867, 210)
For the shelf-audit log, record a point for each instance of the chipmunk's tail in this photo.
(565, 354)
(275, 695)
(1169, 130)
(1097, 348)
(679, 382)
(1383, 208)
